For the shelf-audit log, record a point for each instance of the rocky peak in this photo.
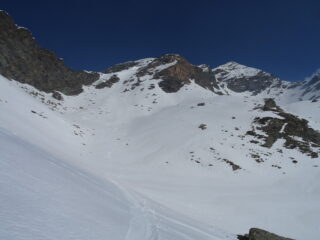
(240, 78)
(6, 20)
(311, 87)
(172, 70)
(315, 79)
(120, 67)
(205, 67)
(232, 65)
(170, 57)
(23, 60)
(179, 73)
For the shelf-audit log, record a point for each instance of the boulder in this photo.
(260, 234)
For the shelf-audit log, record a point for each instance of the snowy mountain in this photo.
(156, 148)
(310, 88)
(239, 78)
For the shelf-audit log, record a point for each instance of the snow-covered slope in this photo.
(309, 89)
(153, 149)
(48, 190)
(43, 197)
(239, 78)
(182, 164)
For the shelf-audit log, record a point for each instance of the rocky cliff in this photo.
(23, 60)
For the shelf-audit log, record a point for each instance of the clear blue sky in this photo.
(281, 37)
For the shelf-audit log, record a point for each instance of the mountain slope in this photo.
(47, 192)
(150, 142)
(239, 78)
(156, 148)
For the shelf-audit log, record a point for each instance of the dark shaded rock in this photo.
(270, 105)
(232, 164)
(257, 158)
(255, 83)
(202, 126)
(152, 86)
(288, 127)
(23, 60)
(182, 73)
(201, 104)
(312, 86)
(271, 126)
(259, 234)
(243, 237)
(57, 95)
(315, 80)
(171, 85)
(120, 67)
(175, 77)
(112, 80)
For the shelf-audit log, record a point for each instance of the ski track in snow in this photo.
(150, 222)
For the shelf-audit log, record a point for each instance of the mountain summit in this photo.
(240, 78)
(23, 60)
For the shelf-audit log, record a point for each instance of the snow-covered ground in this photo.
(117, 164)
(46, 192)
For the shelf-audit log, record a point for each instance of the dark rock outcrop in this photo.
(288, 127)
(120, 67)
(57, 95)
(259, 234)
(23, 60)
(254, 84)
(179, 74)
(243, 78)
(202, 126)
(174, 77)
(112, 80)
(314, 81)
(312, 86)
(234, 166)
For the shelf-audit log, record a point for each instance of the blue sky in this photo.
(281, 37)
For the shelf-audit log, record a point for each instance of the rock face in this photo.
(312, 87)
(239, 78)
(23, 60)
(295, 131)
(259, 234)
(179, 74)
(174, 77)
(120, 67)
(108, 83)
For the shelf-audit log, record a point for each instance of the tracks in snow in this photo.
(150, 221)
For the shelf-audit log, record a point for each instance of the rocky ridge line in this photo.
(23, 60)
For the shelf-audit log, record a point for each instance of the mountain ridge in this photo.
(156, 148)
(31, 64)
(23, 60)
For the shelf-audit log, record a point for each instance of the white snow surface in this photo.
(116, 164)
(237, 70)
